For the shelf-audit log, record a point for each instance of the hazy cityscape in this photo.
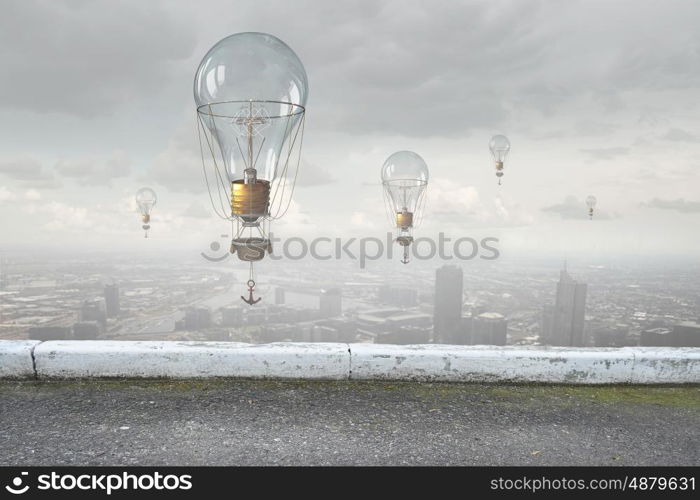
(546, 301)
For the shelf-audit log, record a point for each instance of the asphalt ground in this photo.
(235, 422)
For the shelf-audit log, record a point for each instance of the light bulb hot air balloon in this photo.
(250, 90)
(499, 145)
(405, 180)
(145, 201)
(591, 203)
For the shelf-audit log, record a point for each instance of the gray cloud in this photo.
(28, 172)
(197, 210)
(311, 174)
(680, 135)
(21, 168)
(88, 58)
(605, 153)
(95, 170)
(679, 205)
(179, 166)
(399, 66)
(93, 77)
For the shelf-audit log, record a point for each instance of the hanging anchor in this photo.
(251, 288)
(405, 255)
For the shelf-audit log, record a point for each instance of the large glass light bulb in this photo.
(499, 145)
(405, 177)
(250, 90)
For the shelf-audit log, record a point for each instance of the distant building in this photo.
(331, 303)
(50, 333)
(111, 293)
(322, 333)
(86, 330)
(466, 327)
(685, 334)
(489, 329)
(203, 317)
(231, 316)
(392, 326)
(405, 335)
(344, 330)
(564, 324)
(398, 296)
(447, 312)
(547, 324)
(93, 310)
(285, 333)
(279, 296)
(197, 318)
(612, 337)
(656, 337)
(256, 315)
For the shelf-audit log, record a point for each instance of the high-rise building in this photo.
(563, 325)
(489, 328)
(112, 300)
(447, 313)
(331, 303)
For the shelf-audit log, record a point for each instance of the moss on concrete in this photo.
(523, 395)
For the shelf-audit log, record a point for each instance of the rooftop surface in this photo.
(243, 422)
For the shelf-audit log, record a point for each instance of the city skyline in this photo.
(495, 303)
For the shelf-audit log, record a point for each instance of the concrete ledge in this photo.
(16, 358)
(79, 359)
(492, 364)
(665, 365)
(126, 359)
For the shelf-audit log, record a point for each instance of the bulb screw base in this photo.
(404, 220)
(250, 201)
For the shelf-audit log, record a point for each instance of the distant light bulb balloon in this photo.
(251, 90)
(146, 199)
(499, 145)
(591, 203)
(405, 179)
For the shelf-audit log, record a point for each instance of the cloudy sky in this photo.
(597, 98)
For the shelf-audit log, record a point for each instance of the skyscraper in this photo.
(563, 325)
(447, 314)
(112, 300)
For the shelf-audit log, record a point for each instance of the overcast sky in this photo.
(597, 98)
